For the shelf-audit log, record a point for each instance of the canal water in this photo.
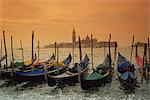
(43, 92)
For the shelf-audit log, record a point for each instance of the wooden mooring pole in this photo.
(12, 63)
(38, 50)
(5, 48)
(22, 53)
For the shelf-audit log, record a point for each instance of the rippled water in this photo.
(44, 92)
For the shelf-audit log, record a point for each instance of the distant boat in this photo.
(19, 49)
(139, 44)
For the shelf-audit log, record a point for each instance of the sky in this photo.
(53, 20)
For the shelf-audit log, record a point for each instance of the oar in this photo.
(22, 51)
(92, 51)
(5, 48)
(132, 49)
(12, 65)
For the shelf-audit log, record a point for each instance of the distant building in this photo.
(85, 43)
(139, 44)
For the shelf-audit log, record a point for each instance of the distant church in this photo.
(85, 43)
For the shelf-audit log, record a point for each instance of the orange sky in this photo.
(53, 20)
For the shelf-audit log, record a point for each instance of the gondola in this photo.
(39, 74)
(71, 76)
(143, 64)
(37, 65)
(98, 77)
(1, 59)
(4, 57)
(126, 72)
(7, 73)
(101, 74)
(143, 69)
(23, 65)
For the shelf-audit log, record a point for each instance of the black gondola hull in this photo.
(93, 84)
(70, 81)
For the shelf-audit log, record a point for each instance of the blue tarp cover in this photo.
(126, 75)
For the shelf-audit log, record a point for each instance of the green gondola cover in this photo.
(97, 74)
(17, 64)
(147, 66)
(104, 64)
(94, 76)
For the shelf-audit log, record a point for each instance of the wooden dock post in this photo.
(55, 48)
(32, 45)
(132, 48)
(32, 55)
(5, 48)
(79, 67)
(12, 52)
(144, 62)
(115, 53)
(149, 57)
(22, 51)
(80, 50)
(12, 63)
(38, 50)
(1, 48)
(73, 44)
(1, 52)
(104, 49)
(57, 53)
(92, 51)
(148, 49)
(110, 68)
